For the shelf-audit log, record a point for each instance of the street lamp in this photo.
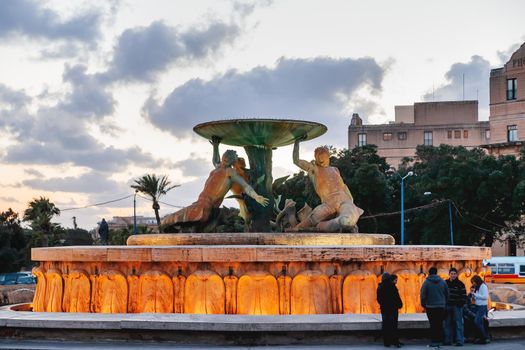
(449, 217)
(410, 173)
(135, 212)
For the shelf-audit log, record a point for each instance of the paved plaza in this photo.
(53, 345)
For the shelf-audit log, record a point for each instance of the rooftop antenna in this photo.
(463, 86)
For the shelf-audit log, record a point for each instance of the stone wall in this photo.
(16, 294)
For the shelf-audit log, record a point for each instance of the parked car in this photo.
(17, 278)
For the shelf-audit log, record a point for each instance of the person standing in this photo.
(434, 297)
(390, 303)
(481, 299)
(457, 296)
(469, 316)
(103, 232)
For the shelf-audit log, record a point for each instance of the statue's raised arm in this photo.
(216, 159)
(303, 164)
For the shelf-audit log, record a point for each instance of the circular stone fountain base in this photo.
(261, 274)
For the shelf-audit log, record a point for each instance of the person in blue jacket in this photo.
(434, 297)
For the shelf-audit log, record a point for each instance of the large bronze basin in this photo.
(260, 132)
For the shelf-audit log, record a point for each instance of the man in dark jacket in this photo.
(434, 296)
(103, 231)
(469, 316)
(390, 302)
(457, 296)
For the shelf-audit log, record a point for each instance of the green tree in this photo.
(154, 187)
(77, 236)
(39, 215)
(14, 246)
(299, 188)
(487, 193)
(120, 236)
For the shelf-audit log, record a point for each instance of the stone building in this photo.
(507, 247)
(424, 123)
(507, 106)
(118, 222)
(454, 122)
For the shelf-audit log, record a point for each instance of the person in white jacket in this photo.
(481, 299)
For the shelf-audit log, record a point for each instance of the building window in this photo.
(402, 135)
(506, 269)
(361, 140)
(387, 136)
(487, 134)
(512, 89)
(457, 134)
(465, 134)
(449, 134)
(512, 133)
(427, 138)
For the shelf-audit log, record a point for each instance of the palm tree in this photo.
(154, 187)
(39, 214)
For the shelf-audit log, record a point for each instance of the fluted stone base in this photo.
(239, 279)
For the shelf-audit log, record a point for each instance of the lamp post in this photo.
(449, 217)
(135, 212)
(410, 173)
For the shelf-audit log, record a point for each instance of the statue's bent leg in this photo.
(332, 225)
(349, 214)
(320, 213)
(196, 212)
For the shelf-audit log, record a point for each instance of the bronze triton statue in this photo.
(219, 182)
(337, 211)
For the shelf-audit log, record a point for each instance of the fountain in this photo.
(259, 137)
(252, 273)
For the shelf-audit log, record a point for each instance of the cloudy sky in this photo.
(96, 93)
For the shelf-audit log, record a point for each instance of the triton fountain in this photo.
(252, 273)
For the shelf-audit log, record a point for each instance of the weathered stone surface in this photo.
(310, 293)
(506, 295)
(359, 293)
(256, 238)
(20, 295)
(12, 294)
(204, 293)
(268, 253)
(229, 323)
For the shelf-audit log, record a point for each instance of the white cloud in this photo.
(30, 18)
(142, 53)
(9, 199)
(472, 78)
(294, 89)
(86, 183)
